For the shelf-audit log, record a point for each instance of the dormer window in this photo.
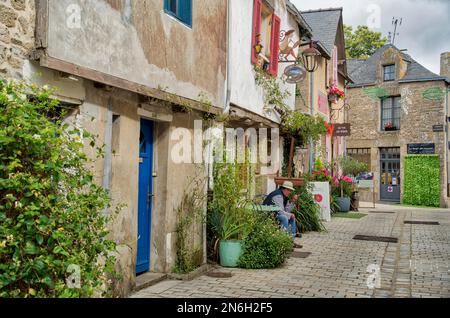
(389, 72)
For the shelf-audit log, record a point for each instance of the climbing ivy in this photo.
(422, 180)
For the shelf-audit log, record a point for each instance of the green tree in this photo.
(362, 43)
(53, 236)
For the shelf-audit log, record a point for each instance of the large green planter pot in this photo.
(229, 253)
(344, 204)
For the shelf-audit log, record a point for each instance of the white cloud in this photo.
(425, 31)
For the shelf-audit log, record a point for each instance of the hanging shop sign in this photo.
(421, 149)
(342, 130)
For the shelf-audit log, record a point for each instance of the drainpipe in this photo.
(311, 143)
(447, 91)
(107, 164)
(226, 108)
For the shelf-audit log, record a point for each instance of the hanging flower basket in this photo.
(335, 94)
(333, 98)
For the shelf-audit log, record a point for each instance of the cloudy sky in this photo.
(425, 30)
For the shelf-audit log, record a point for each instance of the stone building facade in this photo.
(372, 137)
(17, 20)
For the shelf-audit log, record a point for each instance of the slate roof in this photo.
(354, 64)
(364, 72)
(324, 24)
(298, 15)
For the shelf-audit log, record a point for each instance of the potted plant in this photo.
(228, 217)
(352, 167)
(346, 190)
(389, 126)
(335, 94)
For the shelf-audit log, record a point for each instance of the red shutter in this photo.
(275, 45)
(256, 29)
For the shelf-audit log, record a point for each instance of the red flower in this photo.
(318, 198)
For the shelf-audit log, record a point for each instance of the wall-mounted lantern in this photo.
(310, 58)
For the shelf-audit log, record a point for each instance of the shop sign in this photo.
(438, 128)
(321, 193)
(421, 149)
(342, 130)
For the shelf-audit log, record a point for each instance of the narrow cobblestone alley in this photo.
(416, 266)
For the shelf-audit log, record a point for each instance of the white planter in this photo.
(321, 192)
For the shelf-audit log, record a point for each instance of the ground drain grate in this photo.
(376, 238)
(386, 212)
(422, 222)
(219, 274)
(300, 254)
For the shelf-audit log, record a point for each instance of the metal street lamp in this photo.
(310, 58)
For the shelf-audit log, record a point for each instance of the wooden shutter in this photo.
(185, 9)
(275, 45)
(256, 29)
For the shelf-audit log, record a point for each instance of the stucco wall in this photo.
(245, 92)
(137, 41)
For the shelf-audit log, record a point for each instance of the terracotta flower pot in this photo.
(298, 182)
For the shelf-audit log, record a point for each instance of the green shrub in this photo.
(50, 209)
(266, 247)
(352, 167)
(307, 211)
(422, 180)
(190, 217)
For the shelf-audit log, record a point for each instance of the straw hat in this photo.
(288, 185)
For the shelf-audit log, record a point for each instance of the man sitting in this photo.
(280, 198)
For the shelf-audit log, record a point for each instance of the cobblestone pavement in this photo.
(417, 266)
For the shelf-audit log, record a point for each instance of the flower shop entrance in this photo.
(390, 174)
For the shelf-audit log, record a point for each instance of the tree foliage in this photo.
(362, 42)
(52, 231)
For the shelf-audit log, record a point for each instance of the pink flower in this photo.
(347, 179)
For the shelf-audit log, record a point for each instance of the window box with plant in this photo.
(389, 126)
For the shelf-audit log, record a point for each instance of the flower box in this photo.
(393, 128)
(298, 182)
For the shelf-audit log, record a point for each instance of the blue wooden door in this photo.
(145, 196)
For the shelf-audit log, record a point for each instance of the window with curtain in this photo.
(390, 114)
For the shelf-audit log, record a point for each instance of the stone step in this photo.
(148, 279)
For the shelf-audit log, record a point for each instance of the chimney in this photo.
(445, 64)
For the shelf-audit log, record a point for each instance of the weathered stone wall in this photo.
(16, 35)
(417, 119)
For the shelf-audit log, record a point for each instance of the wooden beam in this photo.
(41, 31)
(240, 114)
(96, 76)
